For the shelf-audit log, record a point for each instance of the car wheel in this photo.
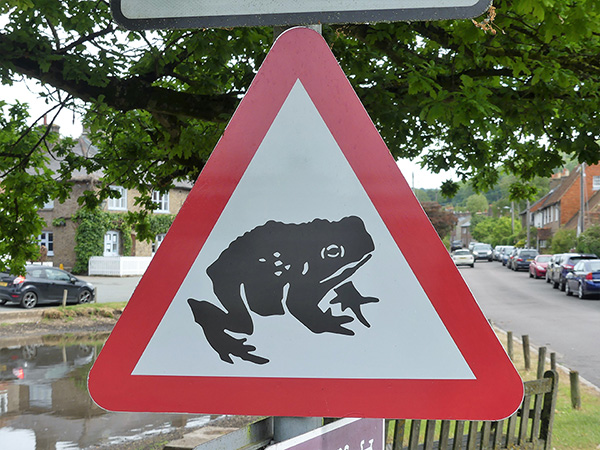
(561, 285)
(3, 301)
(29, 352)
(85, 296)
(554, 285)
(580, 292)
(547, 279)
(29, 300)
(531, 275)
(473, 265)
(568, 289)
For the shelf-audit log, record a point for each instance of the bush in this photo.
(589, 240)
(563, 241)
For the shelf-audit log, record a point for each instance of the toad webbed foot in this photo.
(348, 297)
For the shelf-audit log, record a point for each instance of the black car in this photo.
(522, 258)
(43, 284)
(455, 245)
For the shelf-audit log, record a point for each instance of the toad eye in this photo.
(333, 251)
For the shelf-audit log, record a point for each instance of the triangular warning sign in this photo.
(302, 278)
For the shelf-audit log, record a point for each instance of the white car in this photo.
(463, 257)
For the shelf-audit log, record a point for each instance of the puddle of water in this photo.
(45, 405)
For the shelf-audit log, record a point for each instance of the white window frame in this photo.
(157, 241)
(595, 183)
(162, 200)
(118, 203)
(112, 243)
(48, 205)
(47, 239)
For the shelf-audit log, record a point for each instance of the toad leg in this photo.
(215, 321)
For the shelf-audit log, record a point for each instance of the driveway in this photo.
(113, 289)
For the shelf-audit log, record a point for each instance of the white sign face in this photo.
(153, 14)
(270, 191)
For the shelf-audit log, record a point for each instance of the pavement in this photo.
(113, 289)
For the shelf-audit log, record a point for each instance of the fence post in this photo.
(509, 345)
(526, 352)
(64, 303)
(575, 395)
(553, 361)
(541, 362)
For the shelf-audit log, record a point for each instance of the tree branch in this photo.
(124, 94)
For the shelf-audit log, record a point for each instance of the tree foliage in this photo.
(496, 231)
(516, 97)
(26, 184)
(589, 240)
(563, 241)
(477, 203)
(443, 221)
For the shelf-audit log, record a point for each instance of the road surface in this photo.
(568, 326)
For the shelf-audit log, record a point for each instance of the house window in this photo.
(48, 205)
(157, 242)
(596, 183)
(111, 243)
(47, 239)
(118, 203)
(162, 201)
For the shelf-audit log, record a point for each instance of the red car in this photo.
(537, 267)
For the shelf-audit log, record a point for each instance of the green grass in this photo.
(112, 310)
(576, 429)
(573, 429)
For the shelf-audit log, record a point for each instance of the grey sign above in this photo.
(159, 14)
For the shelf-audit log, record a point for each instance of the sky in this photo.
(70, 125)
(423, 179)
(29, 93)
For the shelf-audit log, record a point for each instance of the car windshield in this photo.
(482, 247)
(593, 266)
(544, 259)
(576, 259)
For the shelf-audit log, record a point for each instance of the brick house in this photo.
(59, 233)
(560, 207)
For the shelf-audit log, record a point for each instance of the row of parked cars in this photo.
(476, 251)
(573, 273)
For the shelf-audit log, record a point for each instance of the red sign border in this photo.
(495, 393)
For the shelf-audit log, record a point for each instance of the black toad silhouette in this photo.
(277, 263)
